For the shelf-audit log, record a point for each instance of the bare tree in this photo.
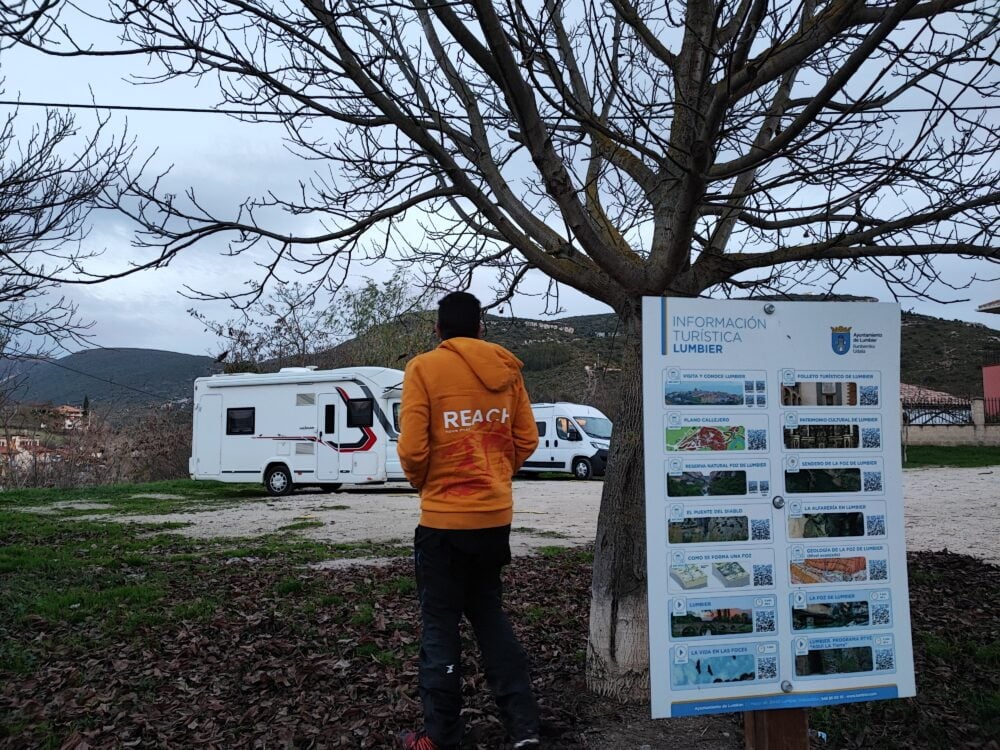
(384, 325)
(50, 182)
(624, 147)
(286, 327)
(295, 325)
(51, 179)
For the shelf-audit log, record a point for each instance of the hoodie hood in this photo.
(495, 367)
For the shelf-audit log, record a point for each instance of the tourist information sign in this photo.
(774, 505)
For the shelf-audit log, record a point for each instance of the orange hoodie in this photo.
(466, 427)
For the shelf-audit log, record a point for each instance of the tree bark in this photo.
(618, 647)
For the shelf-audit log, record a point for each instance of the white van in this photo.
(572, 438)
(300, 426)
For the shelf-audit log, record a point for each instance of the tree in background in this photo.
(295, 325)
(383, 325)
(147, 445)
(285, 328)
(623, 148)
(51, 180)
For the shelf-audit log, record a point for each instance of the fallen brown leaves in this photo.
(288, 657)
(955, 614)
(331, 663)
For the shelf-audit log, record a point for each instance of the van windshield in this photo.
(595, 427)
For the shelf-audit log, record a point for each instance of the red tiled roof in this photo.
(917, 393)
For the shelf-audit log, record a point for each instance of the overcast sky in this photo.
(228, 161)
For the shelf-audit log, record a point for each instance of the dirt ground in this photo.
(957, 509)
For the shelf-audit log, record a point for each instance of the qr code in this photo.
(878, 570)
(760, 529)
(881, 614)
(761, 400)
(761, 386)
(871, 437)
(767, 668)
(748, 386)
(885, 659)
(763, 621)
(876, 525)
(757, 440)
(868, 395)
(763, 575)
(873, 481)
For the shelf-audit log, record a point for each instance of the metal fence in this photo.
(940, 411)
(992, 409)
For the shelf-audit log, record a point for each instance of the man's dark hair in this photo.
(458, 315)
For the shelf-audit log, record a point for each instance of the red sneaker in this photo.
(416, 741)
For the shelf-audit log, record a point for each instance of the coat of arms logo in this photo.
(840, 339)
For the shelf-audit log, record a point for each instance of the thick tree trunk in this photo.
(618, 650)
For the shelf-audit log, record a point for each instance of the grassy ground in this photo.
(953, 455)
(155, 498)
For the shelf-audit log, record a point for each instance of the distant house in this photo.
(925, 406)
(72, 416)
(21, 451)
(18, 443)
(549, 326)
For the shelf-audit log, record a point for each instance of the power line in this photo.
(278, 113)
(143, 108)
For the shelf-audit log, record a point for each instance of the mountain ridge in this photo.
(574, 358)
(122, 377)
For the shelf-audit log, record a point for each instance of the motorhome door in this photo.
(208, 436)
(327, 454)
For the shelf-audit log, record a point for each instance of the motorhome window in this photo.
(305, 399)
(596, 427)
(395, 416)
(330, 418)
(360, 412)
(541, 428)
(240, 421)
(562, 428)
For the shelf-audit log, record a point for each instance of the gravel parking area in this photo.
(957, 509)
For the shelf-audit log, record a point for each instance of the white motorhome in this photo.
(571, 438)
(300, 426)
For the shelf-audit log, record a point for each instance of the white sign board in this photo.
(774, 505)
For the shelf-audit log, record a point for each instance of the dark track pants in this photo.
(458, 572)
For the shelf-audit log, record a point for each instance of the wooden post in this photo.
(779, 729)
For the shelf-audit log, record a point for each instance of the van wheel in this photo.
(582, 468)
(278, 481)
(331, 487)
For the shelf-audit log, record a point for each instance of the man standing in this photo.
(466, 427)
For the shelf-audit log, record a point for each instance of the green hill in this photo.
(947, 355)
(113, 378)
